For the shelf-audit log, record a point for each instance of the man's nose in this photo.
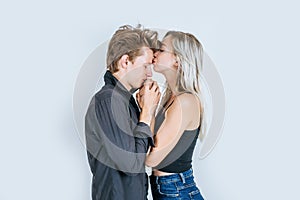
(149, 71)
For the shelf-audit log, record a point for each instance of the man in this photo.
(118, 135)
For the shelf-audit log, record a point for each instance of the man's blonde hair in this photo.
(128, 40)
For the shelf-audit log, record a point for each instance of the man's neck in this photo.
(120, 78)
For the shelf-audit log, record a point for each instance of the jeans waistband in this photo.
(173, 178)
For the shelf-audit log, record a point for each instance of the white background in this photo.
(254, 44)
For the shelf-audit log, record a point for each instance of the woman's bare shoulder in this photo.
(187, 100)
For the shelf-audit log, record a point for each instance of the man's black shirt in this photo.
(116, 143)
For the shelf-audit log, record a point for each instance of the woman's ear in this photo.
(176, 64)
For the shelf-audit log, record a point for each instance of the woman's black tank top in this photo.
(180, 158)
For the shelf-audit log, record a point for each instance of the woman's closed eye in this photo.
(166, 51)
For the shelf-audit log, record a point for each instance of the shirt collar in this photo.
(110, 79)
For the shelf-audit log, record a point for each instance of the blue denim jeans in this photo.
(176, 186)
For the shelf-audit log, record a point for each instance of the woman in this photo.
(178, 124)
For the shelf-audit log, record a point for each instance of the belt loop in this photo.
(182, 177)
(156, 179)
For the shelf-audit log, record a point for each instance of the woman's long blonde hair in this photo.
(189, 54)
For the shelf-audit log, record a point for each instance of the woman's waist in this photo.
(159, 173)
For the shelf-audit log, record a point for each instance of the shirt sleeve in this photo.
(113, 138)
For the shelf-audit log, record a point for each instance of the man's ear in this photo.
(124, 61)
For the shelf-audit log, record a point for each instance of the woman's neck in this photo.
(171, 80)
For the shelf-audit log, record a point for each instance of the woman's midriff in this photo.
(156, 172)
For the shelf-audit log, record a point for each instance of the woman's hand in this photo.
(148, 98)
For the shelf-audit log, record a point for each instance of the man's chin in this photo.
(143, 82)
(135, 88)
